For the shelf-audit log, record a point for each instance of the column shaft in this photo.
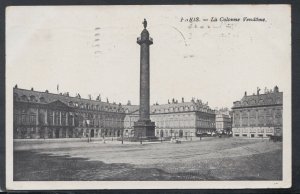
(144, 82)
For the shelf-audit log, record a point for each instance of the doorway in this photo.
(161, 133)
(180, 133)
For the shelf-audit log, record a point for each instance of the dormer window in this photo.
(42, 99)
(245, 103)
(24, 98)
(32, 98)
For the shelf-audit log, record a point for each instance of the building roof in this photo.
(22, 95)
(268, 99)
(131, 109)
(172, 107)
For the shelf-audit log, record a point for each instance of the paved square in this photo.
(212, 158)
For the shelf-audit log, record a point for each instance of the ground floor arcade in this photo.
(64, 132)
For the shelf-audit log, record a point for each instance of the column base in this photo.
(144, 129)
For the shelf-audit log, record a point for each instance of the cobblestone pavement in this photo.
(209, 159)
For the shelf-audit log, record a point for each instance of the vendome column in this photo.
(144, 127)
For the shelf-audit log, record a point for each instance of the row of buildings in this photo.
(48, 115)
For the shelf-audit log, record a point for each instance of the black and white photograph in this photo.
(148, 97)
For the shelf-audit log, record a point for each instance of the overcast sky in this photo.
(93, 49)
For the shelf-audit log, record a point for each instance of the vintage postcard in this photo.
(148, 97)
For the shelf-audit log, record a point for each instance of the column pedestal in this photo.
(144, 129)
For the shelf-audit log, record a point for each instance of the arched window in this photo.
(252, 116)
(245, 119)
(32, 118)
(278, 117)
(261, 117)
(269, 117)
(237, 119)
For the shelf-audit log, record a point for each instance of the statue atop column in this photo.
(145, 23)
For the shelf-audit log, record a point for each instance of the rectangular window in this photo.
(237, 135)
(260, 130)
(32, 119)
(23, 119)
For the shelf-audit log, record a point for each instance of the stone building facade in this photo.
(182, 120)
(223, 121)
(46, 115)
(258, 115)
